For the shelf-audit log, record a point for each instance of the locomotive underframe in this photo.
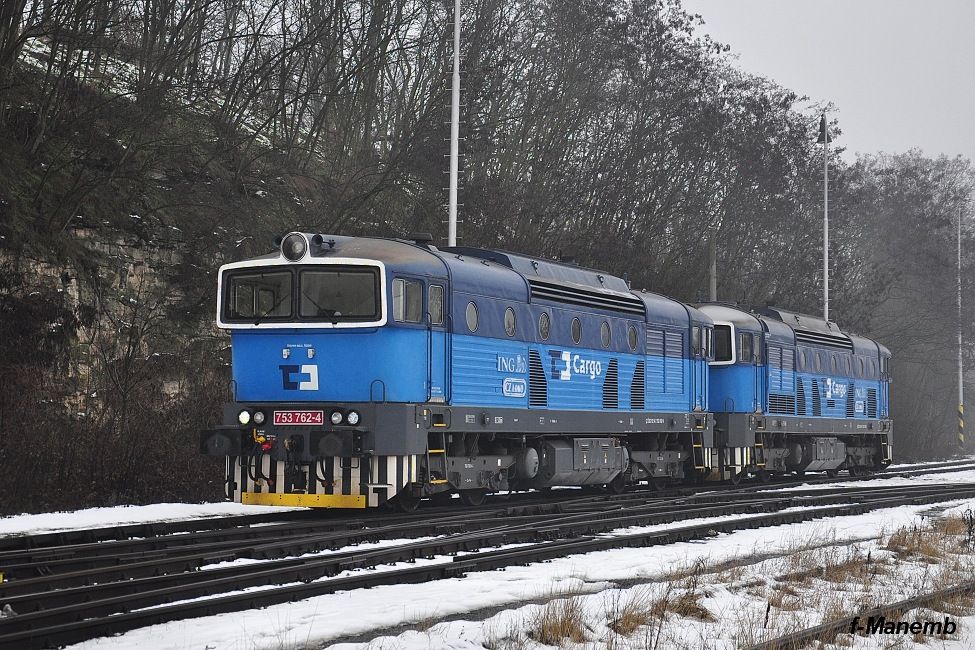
(416, 450)
(799, 444)
(424, 449)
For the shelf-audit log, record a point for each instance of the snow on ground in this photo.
(957, 459)
(967, 476)
(361, 614)
(121, 515)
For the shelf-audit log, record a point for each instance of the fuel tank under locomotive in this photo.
(544, 462)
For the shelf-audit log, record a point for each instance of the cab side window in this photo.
(435, 304)
(408, 301)
(722, 343)
(745, 350)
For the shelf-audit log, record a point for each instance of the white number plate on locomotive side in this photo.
(309, 418)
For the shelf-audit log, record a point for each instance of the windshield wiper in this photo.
(269, 311)
(323, 311)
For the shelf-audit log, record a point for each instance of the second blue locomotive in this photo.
(369, 370)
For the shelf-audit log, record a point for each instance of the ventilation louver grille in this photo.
(828, 340)
(611, 387)
(817, 400)
(871, 402)
(575, 295)
(537, 384)
(638, 388)
(800, 397)
(781, 404)
(849, 401)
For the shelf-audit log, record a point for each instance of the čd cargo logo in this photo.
(835, 390)
(565, 364)
(299, 377)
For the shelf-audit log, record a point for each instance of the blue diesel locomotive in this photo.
(370, 370)
(797, 394)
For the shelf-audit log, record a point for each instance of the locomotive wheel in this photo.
(736, 478)
(832, 473)
(473, 497)
(764, 476)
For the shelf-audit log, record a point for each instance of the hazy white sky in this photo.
(901, 73)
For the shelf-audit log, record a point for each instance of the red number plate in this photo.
(299, 417)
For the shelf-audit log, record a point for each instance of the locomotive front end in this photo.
(312, 381)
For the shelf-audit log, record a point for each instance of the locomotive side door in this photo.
(761, 370)
(700, 349)
(437, 340)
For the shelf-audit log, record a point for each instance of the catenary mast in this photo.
(454, 133)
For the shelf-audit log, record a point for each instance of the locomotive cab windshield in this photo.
(323, 294)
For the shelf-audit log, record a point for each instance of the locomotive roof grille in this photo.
(574, 295)
(820, 338)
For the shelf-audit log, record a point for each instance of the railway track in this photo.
(227, 527)
(68, 594)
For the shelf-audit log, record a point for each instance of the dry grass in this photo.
(559, 621)
(685, 598)
(786, 599)
(917, 543)
(637, 611)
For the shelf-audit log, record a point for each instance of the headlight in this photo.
(352, 418)
(294, 246)
(259, 417)
(244, 417)
(336, 417)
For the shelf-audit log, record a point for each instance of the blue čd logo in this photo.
(307, 377)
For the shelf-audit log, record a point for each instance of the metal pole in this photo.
(713, 271)
(961, 374)
(454, 133)
(825, 219)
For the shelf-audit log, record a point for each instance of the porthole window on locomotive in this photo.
(544, 325)
(631, 338)
(605, 334)
(471, 316)
(509, 321)
(576, 330)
